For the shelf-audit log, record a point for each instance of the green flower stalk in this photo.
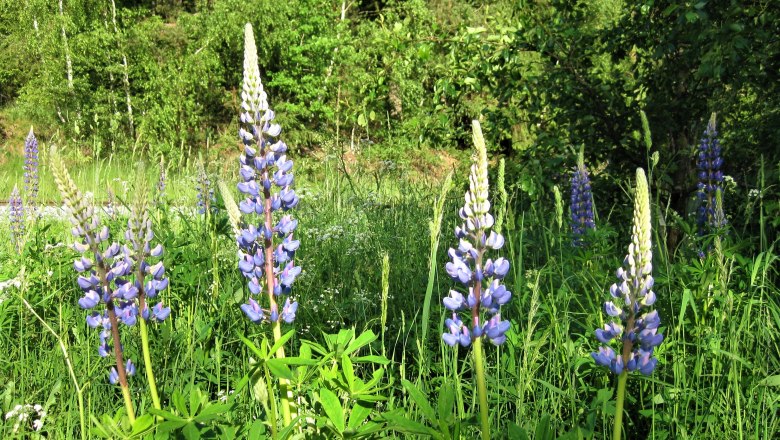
(139, 234)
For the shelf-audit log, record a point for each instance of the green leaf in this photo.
(398, 422)
(365, 338)
(771, 381)
(168, 416)
(515, 432)
(143, 424)
(285, 337)
(359, 413)
(374, 359)
(543, 431)
(212, 412)
(421, 400)
(332, 406)
(361, 120)
(257, 430)
(348, 371)
(191, 432)
(279, 369)
(446, 401)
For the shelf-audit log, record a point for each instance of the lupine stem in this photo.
(617, 429)
(479, 369)
(284, 392)
(120, 366)
(148, 365)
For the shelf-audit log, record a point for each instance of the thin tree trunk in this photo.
(126, 77)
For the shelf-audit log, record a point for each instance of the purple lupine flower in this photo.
(31, 177)
(267, 184)
(205, 191)
(634, 328)
(581, 203)
(16, 215)
(102, 269)
(479, 276)
(710, 185)
(139, 234)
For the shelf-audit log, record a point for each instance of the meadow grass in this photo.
(718, 374)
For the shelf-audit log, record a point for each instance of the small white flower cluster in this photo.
(754, 193)
(13, 282)
(23, 413)
(223, 396)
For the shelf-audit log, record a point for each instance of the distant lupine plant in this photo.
(159, 195)
(581, 202)
(710, 185)
(479, 276)
(31, 178)
(204, 189)
(634, 328)
(267, 184)
(104, 270)
(16, 216)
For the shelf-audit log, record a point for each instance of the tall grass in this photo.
(719, 369)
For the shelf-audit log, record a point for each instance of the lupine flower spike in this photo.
(204, 189)
(139, 235)
(31, 178)
(103, 270)
(267, 185)
(159, 195)
(633, 328)
(581, 202)
(709, 163)
(480, 278)
(16, 211)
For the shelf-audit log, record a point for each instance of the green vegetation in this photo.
(376, 100)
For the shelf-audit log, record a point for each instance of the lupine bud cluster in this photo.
(16, 214)
(708, 164)
(480, 277)
(139, 234)
(637, 334)
(581, 203)
(205, 191)
(31, 178)
(103, 269)
(267, 184)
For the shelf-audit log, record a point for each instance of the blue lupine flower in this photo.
(267, 184)
(16, 214)
(113, 376)
(581, 203)
(468, 267)
(710, 186)
(31, 177)
(102, 270)
(637, 333)
(140, 235)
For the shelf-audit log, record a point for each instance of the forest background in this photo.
(399, 81)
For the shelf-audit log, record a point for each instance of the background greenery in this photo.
(376, 98)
